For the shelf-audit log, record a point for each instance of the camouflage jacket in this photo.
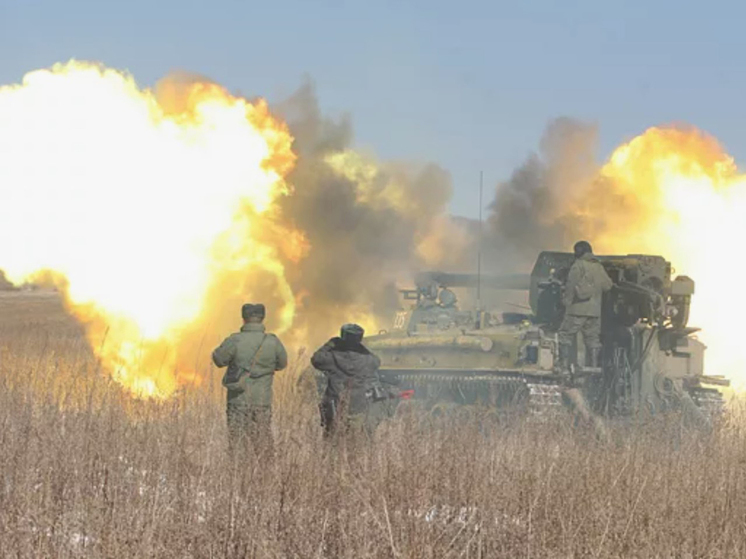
(239, 349)
(350, 373)
(589, 270)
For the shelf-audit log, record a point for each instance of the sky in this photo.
(469, 85)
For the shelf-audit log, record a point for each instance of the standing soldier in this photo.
(252, 357)
(354, 395)
(587, 280)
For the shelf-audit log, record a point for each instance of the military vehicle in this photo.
(651, 361)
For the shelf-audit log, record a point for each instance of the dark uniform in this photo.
(586, 283)
(354, 398)
(252, 357)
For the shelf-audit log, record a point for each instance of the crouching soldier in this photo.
(354, 398)
(252, 357)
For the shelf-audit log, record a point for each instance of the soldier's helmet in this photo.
(581, 248)
(256, 310)
(351, 333)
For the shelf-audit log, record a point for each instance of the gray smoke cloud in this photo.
(537, 208)
(369, 226)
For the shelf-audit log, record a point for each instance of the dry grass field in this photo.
(87, 472)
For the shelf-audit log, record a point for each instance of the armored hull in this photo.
(651, 361)
(505, 366)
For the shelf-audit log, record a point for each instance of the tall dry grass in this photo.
(87, 472)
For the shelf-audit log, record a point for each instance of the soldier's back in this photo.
(257, 351)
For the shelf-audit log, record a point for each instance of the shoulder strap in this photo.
(256, 353)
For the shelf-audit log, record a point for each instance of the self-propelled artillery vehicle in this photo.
(651, 360)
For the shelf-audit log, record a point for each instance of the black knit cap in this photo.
(253, 310)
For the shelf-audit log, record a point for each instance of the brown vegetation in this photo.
(85, 471)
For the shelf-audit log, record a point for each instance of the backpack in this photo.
(585, 289)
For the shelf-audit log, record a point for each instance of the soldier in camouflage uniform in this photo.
(354, 398)
(587, 280)
(252, 357)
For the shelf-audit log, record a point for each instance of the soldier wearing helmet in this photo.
(353, 397)
(252, 356)
(587, 280)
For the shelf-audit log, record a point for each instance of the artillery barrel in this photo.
(518, 282)
(429, 342)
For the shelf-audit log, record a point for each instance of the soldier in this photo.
(252, 357)
(353, 394)
(587, 280)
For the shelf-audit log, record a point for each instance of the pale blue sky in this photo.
(469, 85)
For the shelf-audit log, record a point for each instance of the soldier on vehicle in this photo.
(354, 398)
(252, 357)
(587, 280)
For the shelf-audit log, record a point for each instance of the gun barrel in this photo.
(515, 282)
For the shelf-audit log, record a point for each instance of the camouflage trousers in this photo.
(364, 422)
(248, 423)
(590, 326)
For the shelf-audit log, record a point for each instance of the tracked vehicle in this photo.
(651, 360)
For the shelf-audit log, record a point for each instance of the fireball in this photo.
(141, 204)
(677, 193)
